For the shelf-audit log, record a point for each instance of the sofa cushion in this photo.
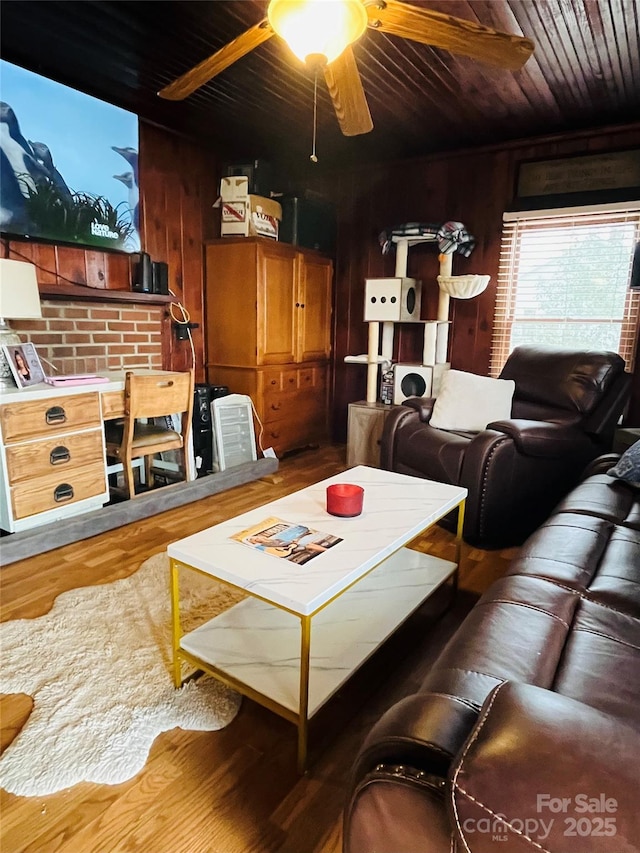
(535, 774)
(605, 497)
(628, 466)
(469, 402)
(601, 661)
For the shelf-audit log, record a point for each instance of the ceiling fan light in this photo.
(324, 27)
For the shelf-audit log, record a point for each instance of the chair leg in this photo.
(129, 479)
(148, 470)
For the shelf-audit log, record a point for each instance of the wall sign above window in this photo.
(583, 179)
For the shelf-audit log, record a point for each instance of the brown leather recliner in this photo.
(565, 409)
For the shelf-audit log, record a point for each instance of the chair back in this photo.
(155, 395)
(565, 386)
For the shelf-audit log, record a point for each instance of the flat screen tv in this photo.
(69, 164)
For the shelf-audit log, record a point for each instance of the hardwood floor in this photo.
(236, 790)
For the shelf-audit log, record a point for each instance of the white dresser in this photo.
(52, 454)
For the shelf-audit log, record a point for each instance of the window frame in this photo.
(517, 223)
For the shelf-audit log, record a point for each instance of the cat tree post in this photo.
(442, 333)
(372, 362)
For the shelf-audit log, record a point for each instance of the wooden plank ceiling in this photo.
(585, 73)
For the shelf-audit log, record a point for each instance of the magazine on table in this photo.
(286, 540)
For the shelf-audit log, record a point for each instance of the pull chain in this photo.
(313, 157)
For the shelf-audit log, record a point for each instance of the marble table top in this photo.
(396, 509)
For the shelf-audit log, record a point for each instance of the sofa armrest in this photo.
(600, 465)
(422, 405)
(540, 438)
(543, 771)
(424, 731)
(412, 408)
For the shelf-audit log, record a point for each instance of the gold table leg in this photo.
(303, 706)
(176, 630)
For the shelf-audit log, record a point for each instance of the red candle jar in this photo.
(344, 499)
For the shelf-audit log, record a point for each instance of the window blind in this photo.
(563, 280)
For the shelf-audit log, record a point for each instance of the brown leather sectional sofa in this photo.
(525, 735)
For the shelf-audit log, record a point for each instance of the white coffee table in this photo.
(353, 596)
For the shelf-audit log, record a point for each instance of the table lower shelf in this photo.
(257, 645)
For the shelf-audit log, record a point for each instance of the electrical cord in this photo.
(255, 414)
(44, 269)
(183, 320)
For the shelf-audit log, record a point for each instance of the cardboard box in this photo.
(245, 215)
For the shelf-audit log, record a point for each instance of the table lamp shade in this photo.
(19, 294)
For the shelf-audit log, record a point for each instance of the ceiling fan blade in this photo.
(349, 101)
(213, 65)
(454, 34)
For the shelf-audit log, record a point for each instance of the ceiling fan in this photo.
(321, 32)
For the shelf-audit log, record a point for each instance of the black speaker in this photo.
(634, 284)
(160, 277)
(142, 273)
(201, 424)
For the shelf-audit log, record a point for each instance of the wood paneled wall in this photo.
(179, 181)
(178, 186)
(474, 187)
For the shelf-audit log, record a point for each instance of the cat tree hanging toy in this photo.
(398, 300)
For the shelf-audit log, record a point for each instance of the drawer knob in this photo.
(276, 406)
(63, 492)
(59, 455)
(55, 415)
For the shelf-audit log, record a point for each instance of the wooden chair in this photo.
(152, 395)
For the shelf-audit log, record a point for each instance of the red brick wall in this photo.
(82, 337)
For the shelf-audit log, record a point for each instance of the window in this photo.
(564, 280)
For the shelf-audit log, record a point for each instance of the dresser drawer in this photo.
(53, 455)
(53, 416)
(112, 404)
(58, 489)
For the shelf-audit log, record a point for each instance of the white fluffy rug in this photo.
(98, 667)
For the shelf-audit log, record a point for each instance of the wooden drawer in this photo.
(53, 416)
(294, 405)
(53, 455)
(58, 489)
(272, 380)
(112, 404)
(312, 377)
(300, 420)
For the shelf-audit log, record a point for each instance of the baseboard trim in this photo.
(38, 540)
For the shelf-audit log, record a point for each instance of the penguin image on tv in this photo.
(131, 156)
(13, 210)
(134, 197)
(44, 157)
(18, 152)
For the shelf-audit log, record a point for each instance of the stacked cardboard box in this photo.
(246, 215)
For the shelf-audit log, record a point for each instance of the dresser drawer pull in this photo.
(276, 406)
(274, 434)
(59, 455)
(55, 415)
(63, 492)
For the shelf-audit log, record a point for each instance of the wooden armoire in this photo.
(268, 333)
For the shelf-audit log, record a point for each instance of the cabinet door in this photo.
(277, 277)
(314, 309)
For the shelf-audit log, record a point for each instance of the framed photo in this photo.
(578, 179)
(24, 363)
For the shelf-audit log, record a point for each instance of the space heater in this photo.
(234, 441)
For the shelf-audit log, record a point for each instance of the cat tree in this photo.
(436, 332)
